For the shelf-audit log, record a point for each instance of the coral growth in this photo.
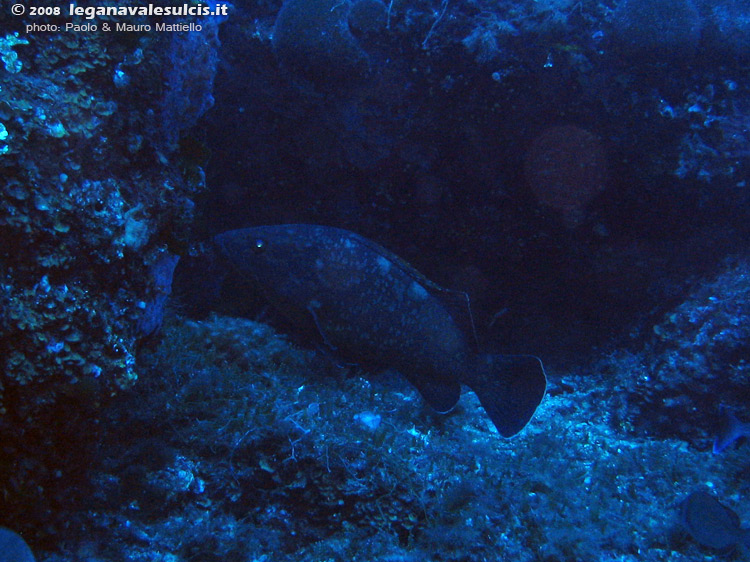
(259, 450)
(90, 196)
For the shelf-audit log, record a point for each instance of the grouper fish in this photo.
(372, 307)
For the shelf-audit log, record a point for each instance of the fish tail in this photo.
(509, 387)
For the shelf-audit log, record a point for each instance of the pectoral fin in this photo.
(312, 308)
(441, 396)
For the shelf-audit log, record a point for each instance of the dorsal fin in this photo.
(400, 263)
(457, 303)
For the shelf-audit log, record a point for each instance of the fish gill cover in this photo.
(424, 126)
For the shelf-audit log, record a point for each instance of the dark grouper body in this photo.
(370, 306)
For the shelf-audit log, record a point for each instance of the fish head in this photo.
(280, 258)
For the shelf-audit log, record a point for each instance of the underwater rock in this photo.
(312, 39)
(189, 78)
(89, 190)
(711, 523)
(162, 271)
(667, 29)
(727, 28)
(695, 361)
(368, 16)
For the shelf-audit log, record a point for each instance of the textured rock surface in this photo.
(94, 189)
(667, 29)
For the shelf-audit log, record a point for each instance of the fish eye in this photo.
(259, 245)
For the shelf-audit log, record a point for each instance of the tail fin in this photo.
(509, 388)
